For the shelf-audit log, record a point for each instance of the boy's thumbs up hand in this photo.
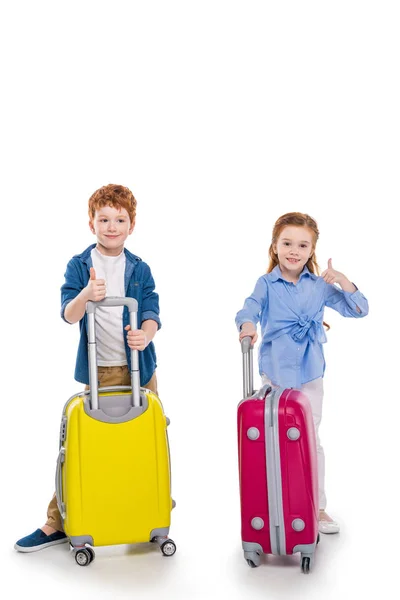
(332, 276)
(96, 288)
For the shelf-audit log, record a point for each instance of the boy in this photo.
(106, 268)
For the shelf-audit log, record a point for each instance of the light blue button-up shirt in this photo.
(291, 317)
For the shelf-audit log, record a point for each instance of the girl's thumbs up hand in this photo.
(330, 275)
(96, 288)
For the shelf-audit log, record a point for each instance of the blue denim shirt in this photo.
(139, 284)
(291, 317)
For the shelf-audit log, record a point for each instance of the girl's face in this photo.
(294, 247)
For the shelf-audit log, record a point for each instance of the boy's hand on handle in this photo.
(96, 288)
(248, 329)
(137, 339)
(332, 276)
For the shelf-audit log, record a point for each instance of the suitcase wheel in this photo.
(305, 564)
(91, 552)
(168, 548)
(84, 556)
(251, 564)
(253, 559)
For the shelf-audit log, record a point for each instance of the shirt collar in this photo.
(86, 258)
(277, 274)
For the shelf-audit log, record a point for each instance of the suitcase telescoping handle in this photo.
(247, 352)
(91, 307)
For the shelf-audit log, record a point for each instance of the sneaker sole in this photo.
(332, 532)
(40, 546)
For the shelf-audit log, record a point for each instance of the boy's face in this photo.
(111, 226)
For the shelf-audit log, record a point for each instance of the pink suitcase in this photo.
(277, 471)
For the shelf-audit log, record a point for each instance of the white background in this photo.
(220, 116)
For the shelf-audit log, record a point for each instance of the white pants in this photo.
(314, 390)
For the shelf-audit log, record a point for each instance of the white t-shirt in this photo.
(109, 327)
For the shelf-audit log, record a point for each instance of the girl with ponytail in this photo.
(289, 302)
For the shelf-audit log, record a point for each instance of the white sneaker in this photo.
(328, 527)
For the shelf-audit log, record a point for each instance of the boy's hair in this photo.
(298, 220)
(113, 195)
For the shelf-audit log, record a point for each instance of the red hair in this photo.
(113, 195)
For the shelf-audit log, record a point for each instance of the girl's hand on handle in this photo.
(332, 276)
(96, 288)
(248, 329)
(137, 339)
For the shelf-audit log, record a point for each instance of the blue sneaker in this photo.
(39, 540)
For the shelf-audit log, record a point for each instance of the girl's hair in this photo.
(298, 220)
(113, 195)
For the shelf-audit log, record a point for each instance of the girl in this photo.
(289, 302)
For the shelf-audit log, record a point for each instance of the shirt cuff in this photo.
(63, 307)
(149, 314)
(355, 299)
(240, 322)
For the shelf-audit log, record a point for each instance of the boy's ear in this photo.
(91, 227)
(132, 227)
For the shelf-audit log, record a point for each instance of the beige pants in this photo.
(108, 376)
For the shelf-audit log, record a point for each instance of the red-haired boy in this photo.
(106, 268)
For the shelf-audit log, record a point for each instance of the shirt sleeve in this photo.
(150, 302)
(254, 305)
(72, 286)
(346, 303)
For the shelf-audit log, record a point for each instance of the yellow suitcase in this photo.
(113, 481)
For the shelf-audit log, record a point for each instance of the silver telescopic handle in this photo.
(91, 307)
(247, 352)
